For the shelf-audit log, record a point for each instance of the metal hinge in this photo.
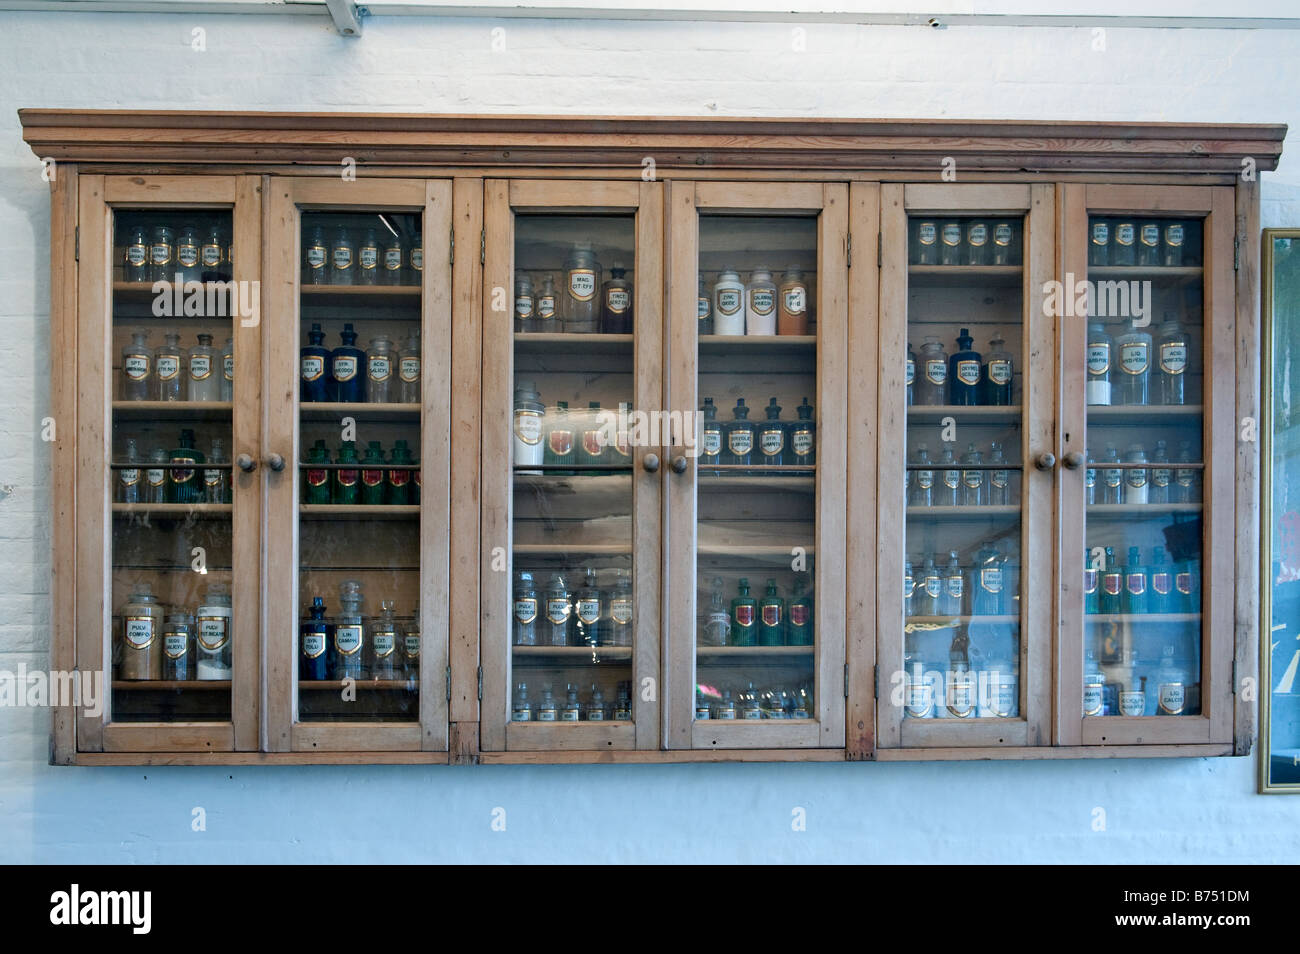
(449, 684)
(875, 678)
(452, 252)
(1236, 253)
(480, 683)
(846, 680)
(880, 260)
(848, 250)
(76, 251)
(482, 247)
(1234, 677)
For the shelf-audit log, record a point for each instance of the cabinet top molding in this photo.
(272, 140)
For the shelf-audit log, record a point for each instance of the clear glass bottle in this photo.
(988, 589)
(379, 370)
(415, 261)
(1099, 242)
(1187, 480)
(392, 257)
(616, 303)
(998, 482)
(547, 318)
(931, 387)
(925, 245)
(559, 608)
(216, 478)
(1171, 684)
(792, 303)
(1162, 475)
(1098, 388)
(187, 254)
(129, 477)
(1134, 379)
(524, 313)
(385, 661)
(922, 491)
(726, 709)
(950, 243)
(162, 255)
(952, 599)
(408, 371)
(342, 258)
(962, 695)
(1137, 480)
(155, 477)
(530, 418)
(1132, 690)
(973, 489)
(1094, 684)
(729, 303)
(751, 705)
(347, 655)
(999, 374)
(411, 646)
(183, 481)
(623, 703)
(521, 710)
(367, 266)
(717, 622)
(595, 709)
(702, 708)
(135, 256)
(169, 361)
(1123, 249)
(760, 303)
(1112, 478)
(572, 711)
(1148, 244)
(909, 591)
(213, 634)
(1172, 247)
(228, 370)
(977, 242)
(178, 646)
(315, 259)
(1172, 353)
(947, 489)
(1005, 235)
(620, 610)
(142, 622)
(587, 611)
(1091, 489)
(138, 368)
(703, 310)
(546, 709)
(580, 302)
(203, 381)
(524, 621)
(929, 589)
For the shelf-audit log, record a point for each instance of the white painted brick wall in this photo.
(1165, 811)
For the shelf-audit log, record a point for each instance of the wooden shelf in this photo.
(1139, 618)
(318, 292)
(566, 549)
(544, 342)
(946, 276)
(333, 410)
(963, 414)
(724, 345)
(1139, 510)
(358, 511)
(720, 553)
(756, 471)
(731, 653)
(369, 685)
(202, 511)
(1001, 511)
(172, 410)
(207, 685)
(572, 654)
(731, 483)
(1146, 414)
(144, 291)
(1181, 275)
(942, 622)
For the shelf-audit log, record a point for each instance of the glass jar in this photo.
(620, 610)
(931, 387)
(616, 304)
(411, 646)
(315, 259)
(947, 489)
(524, 320)
(392, 256)
(368, 259)
(135, 256)
(1171, 363)
(1112, 478)
(138, 368)
(216, 479)
(155, 477)
(1098, 387)
(909, 375)
(379, 370)
(348, 652)
(729, 303)
(187, 255)
(760, 303)
(925, 244)
(1123, 250)
(415, 260)
(1099, 242)
(1172, 245)
(1005, 235)
(559, 609)
(203, 383)
(921, 492)
(999, 374)
(342, 258)
(973, 490)
(168, 361)
(408, 371)
(977, 242)
(1136, 479)
(530, 415)
(178, 646)
(544, 307)
(703, 310)
(524, 622)
(213, 634)
(142, 620)
(228, 370)
(1148, 244)
(385, 663)
(1134, 379)
(162, 253)
(950, 242)
(580, 303)
(128, 477)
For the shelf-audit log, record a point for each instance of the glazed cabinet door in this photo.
(571, 476)
(358, 386)
(966, 394)
(168, 366)
(1148, 449)
(758, 383)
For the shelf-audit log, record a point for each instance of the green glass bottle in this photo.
(1135, 584)
(744, 613)
(1112, 585)
(397, 482)
(372, 475)
(346, 484)
(183, 484)
(799, 626)
(316, 482)
(771, 617)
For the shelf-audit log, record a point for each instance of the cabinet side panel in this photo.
(1247, 625)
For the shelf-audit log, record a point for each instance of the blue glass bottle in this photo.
(315, 367)
(314, 637)
(345, 369)
(964, 371)
(771, 437)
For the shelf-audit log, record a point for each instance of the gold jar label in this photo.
(348, 639)
(316, 256)
(1098, 358)
(617, 300)
(137, 256)
(1150, 235)
(1092, 699)
(210, 256)
(342, 257)
(138, 631)
(345, 368)
(313, 366)
(175, 645)
(1134, 357)
(409, 370)
(977, 235)
(927, 233)
(1173, 357)
(582, 284)
(213, 632)
(952, 234)
(169, 365)
(526, 610)
(200, 367)
(1171, 698)
(771, 442)
(528, 426)
(589, 611)
(761, 301)
(557, 611)
(313, 645)
(379, 367)
(393, 258)
(136, 366)
(384, 642)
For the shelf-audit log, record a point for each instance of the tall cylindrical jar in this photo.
(760, 303)
(213, 634)
(580, 301)
(142, 623)
(729, 303)
(529, 416)
(792, 303)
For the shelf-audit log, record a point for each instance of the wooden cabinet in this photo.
(785, 448)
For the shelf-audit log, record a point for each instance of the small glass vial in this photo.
(1004, 243)
(138, 368)
(187, 255)
(1098, 386)
(925, 245)
(999, 374)
(950, 243)
(1134, 379)
(348, 651)
(142, 623)
(1172, 246)
(947, 489)
(1112, 478)
(129, 477)
(572, 711)
(977, 242)
(620, 610)
(155, 477)
(729, 303)
(546, 315)
(1099, 242)
(316, 259)
(921, 493)
(587, 606)
(203, 383)
(135, 256)
(1136, 479)
(379, 370)
(368, 259)
(717, 622)
(342, 258)
(408, 371)
(178, 647)
(213, 634)
(216, 478)
(973, 489)
(792, 303)
(559, 609)
(1132, 691)
(546, 709)
(313, 641)
(228, 370)
(931, 387)
(520, 709)
(392, 256)
(162, 254)
(616, 303)
(168, 362)
(760, 303)
(580, 304)
(524, 622)
(1148, 244)
(524, 313)
(385, 663)
(595, 709)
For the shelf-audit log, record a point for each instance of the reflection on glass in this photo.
(1143, 483)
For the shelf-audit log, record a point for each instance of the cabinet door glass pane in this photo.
(360, 381)
(757, 468)
(1143, 532)
(964, 467)
(573, 615)
(172, 388)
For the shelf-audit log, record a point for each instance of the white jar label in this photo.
(1098, 358)
(1137, 478)
(546, 307)
(228, 367)
(1172, 698)
(410, 370)
(528, 426)
(557, 611)
(1132, 703)
(526, 610)
(712, 443)
(968, 372)
(1100, 233)
(313, 644)
(411, 644)
(729, 301)
(1174, 235)
(368, 257)
(136, 255)
(910, 374)
(1002, 234)
(155, 478)
(523, 306)
(213, 631)
(991, 579)
(136, 366)
(545, 715)
(169, 365)
(347, 639)
(342, 257)
(761, 301)
(1125, 233)
(379, 368)
(933, 586)
(801, 442)
(160, 253)
(703, 308)
(771, 442)
(1173, 358)
(138, 631)
(313, 366)
(1134, 357)
(200, 367)
(977, 235)
(1000, 371)
(794, 299)
(393, 258)
(1150, 235)
(315, 256)
(128, 478)
(187, 256)
(417, 259)
(936, 369)
(919, 700)
(569, 715)
(952, 479)
(384, 642)
(621, 611)
(582, 284)
(345, 368)
(926, 233)
(589, 611)
(925, 479)
(961, 696)
(952, 234)
(617, 300)
(1092, 699)
(175, 645)
(740, 441)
